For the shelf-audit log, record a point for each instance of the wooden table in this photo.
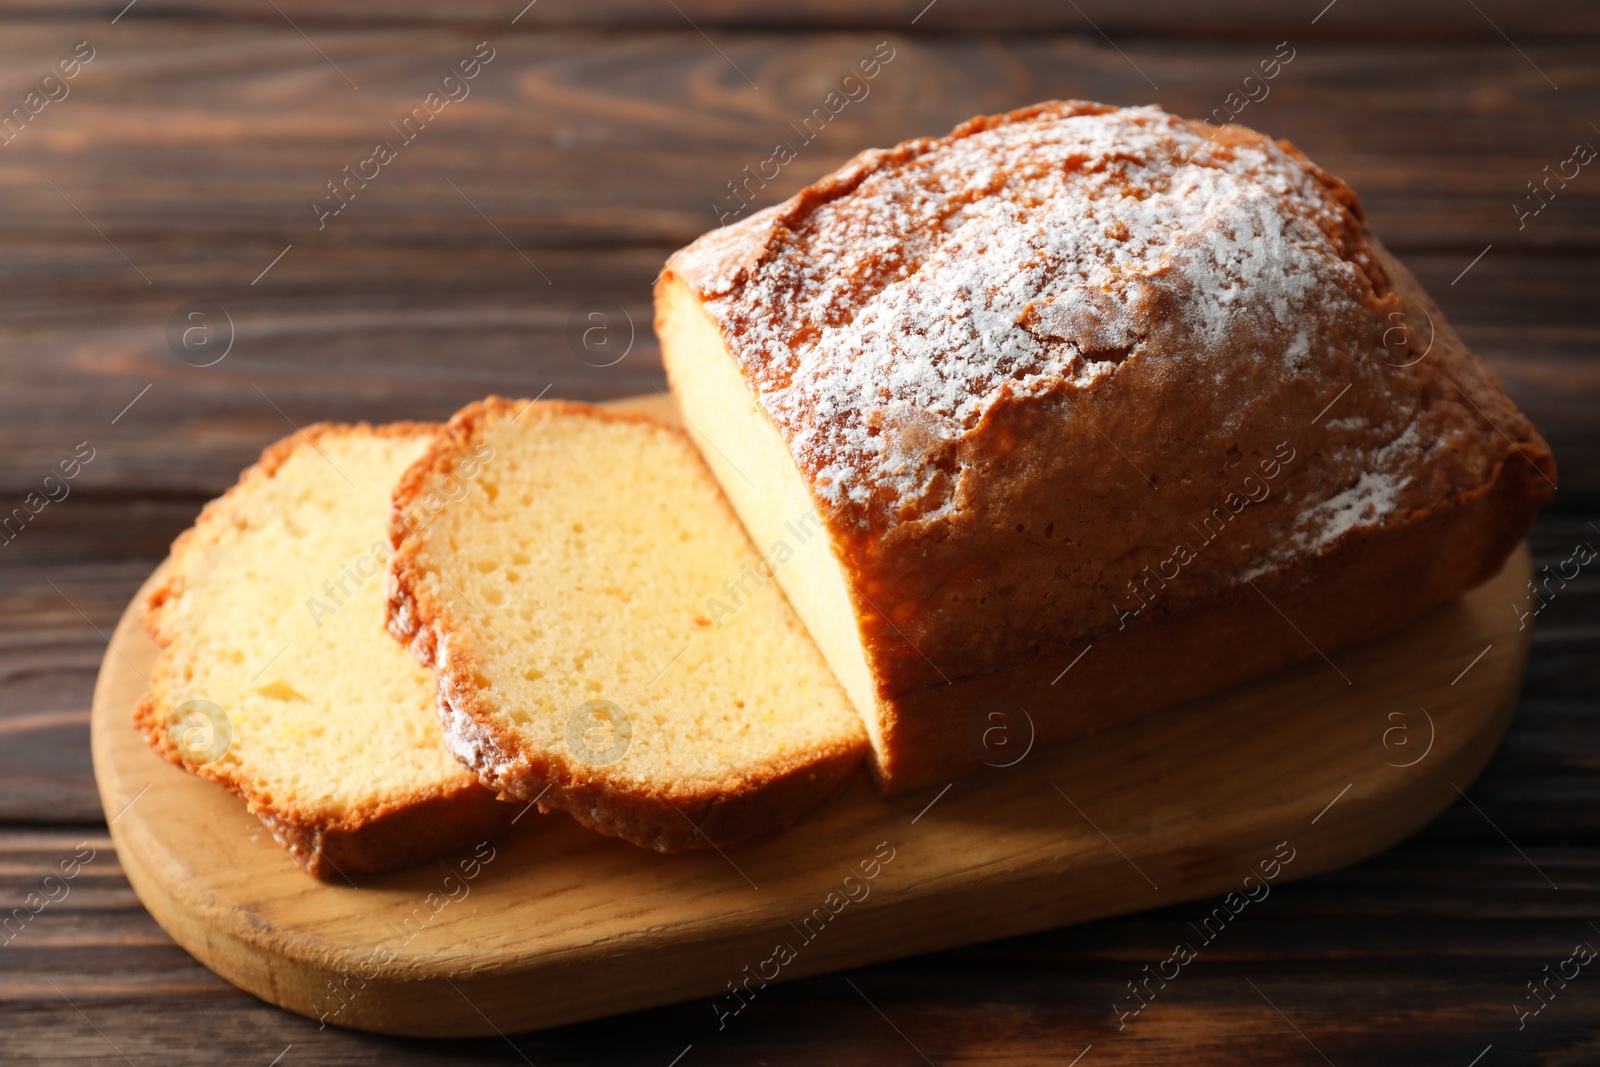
(177, 175)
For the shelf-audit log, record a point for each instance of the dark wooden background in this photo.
(185, 159)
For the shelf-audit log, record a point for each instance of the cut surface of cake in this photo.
(607, 640)
(277, 677)
(1098, 410)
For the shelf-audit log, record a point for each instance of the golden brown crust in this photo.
(1004, 509)
(667, 818)
(408, 829)
(1372, 584)
(402, 829)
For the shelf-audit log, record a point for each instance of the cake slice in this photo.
(607, 640)
(276, 677)
(1098, 410)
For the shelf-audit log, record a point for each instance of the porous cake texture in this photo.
(277, 678)
(562, 601)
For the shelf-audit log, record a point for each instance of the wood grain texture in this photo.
(1413, 957)
(1237, 18)
(555, 924)
(164, 143)
(1399, 987)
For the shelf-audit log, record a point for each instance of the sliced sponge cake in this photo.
(277, 678)
(607, 639)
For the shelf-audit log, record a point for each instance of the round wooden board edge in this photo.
(253, 959)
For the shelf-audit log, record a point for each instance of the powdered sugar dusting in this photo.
(1362, 504)
(887, 314)
(1374, 496)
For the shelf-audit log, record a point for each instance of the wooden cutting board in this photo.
(555, 924)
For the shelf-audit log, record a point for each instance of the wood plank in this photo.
(1232, 18)
(48, 657)
(1401, 989)
(165, 145)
